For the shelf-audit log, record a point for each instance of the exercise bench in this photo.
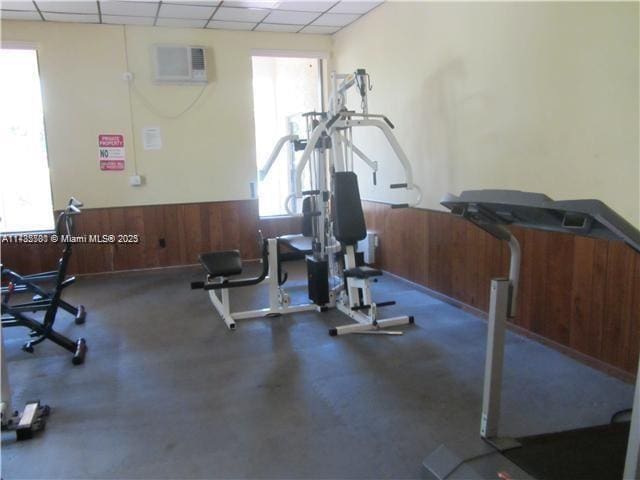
(221, 267)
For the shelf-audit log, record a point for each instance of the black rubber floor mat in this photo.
(596, 453)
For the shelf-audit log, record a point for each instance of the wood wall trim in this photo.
(580, 293)
(572, 352)
(187, 230)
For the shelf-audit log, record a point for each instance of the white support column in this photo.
(498, 311)
(632, 462)
(352, 287)
(222, 306)
(273, 274)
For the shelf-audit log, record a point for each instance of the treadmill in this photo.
(601, 452)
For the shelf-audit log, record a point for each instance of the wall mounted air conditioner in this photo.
(180, 64)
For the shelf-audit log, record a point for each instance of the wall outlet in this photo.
(127, 76)
(135, 180)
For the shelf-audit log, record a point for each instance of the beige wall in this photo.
(532, 96)
(208, 154)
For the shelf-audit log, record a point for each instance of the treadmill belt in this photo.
(596, 453)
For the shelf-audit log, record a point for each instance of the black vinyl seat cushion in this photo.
(222, 264)
(363, 272)
(348, 218)
(298, 242)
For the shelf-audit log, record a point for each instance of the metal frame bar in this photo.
(276, 294)
(494, 360)
(6, 410)
(632, 460)
(503, 296)
(364, 322)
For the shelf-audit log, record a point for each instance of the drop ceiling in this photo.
(320, 17)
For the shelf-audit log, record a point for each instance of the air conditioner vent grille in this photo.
(197, 58)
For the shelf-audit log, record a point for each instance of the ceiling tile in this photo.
(136, 9)
(290, 18)
(170, 10)
(203, 4)
(335, 19)
(19, 15)
(125, 20)
(251, 4)
(272, 27)
(301, 6)
(70, 17)
(231, 25)
(180, 22)
(68, 7)
(240, 14)
(320, 30)
(354, 7)
(17, 5)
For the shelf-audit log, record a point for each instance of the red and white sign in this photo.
(111, 152)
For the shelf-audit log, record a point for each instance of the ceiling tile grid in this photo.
(174, 10)
(68, 7)
(292, 16)
(133, 9)
(275, 27)
(125, 20)
(217, 24)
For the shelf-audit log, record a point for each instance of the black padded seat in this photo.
(222, 264)
(348, 218)
(298, 242)
(362, 272)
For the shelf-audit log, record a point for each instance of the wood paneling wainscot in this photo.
(169, 235)
(580, 293)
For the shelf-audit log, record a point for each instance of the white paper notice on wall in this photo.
(151, 138)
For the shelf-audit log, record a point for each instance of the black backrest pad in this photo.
(307, 227)
(348, 220)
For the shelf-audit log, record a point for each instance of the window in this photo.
(25, 189)
(283, 88)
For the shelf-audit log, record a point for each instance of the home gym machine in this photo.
(493, 211)
(219, 266)
(34, 416)
(327, 186)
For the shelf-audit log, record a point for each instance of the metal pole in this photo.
(494, 360)
(514, 273)
(502, 305)
(273, 274)
(5, 406)
(632, 462)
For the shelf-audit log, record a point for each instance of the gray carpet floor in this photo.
(167, 391)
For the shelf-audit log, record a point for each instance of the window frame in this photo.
(21, 45)
(322, 57)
